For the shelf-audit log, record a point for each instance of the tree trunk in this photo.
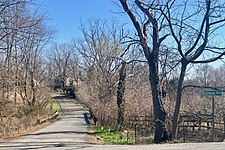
(159, 112)
(33, 88)
(120, 95)
(184, 64)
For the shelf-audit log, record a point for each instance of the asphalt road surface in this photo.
(70, 130)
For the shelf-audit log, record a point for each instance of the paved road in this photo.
(70, 130)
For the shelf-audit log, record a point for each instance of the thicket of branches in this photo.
(189, 28)
(98, 59)
(117, 73)
(23, 36)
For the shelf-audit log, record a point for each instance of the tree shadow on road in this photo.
(44, 145)
(59, 132)
(59, 97)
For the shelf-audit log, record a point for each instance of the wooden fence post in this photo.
(199, 121)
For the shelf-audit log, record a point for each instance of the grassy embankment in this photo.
(55, 106)
(111, 136)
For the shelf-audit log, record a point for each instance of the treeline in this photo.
(111, 76)
(159, 69)
(23, 37)
(92, 64)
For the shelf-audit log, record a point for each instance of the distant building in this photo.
(57, 82)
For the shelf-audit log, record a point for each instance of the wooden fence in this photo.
(191, 122)
(142, 126)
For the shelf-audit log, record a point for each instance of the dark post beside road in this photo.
(213, 92)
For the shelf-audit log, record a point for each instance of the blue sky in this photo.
(66, 15)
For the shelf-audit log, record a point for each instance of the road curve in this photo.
(69, 132)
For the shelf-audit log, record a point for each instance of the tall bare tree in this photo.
(192, 25)
(60, 60)
(148, 23)
(120, 94)
(23, 36)
(100, 49)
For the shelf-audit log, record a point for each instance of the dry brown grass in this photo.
(16, 119)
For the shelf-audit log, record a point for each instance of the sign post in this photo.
(213, 119)
(213, 93)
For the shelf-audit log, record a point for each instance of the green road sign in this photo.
(212, 92)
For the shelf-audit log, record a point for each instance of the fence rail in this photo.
(200, 122)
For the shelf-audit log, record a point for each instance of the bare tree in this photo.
(100, 49)
(192, 28)
(23, 36)
(60, 61)
(148, 23)
(120, 94)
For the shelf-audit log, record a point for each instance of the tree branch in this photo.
(205, 20)
(168, 18)
(163, 38)
(216, 22)
(143, 38)
(208, 60)
(203, 45)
